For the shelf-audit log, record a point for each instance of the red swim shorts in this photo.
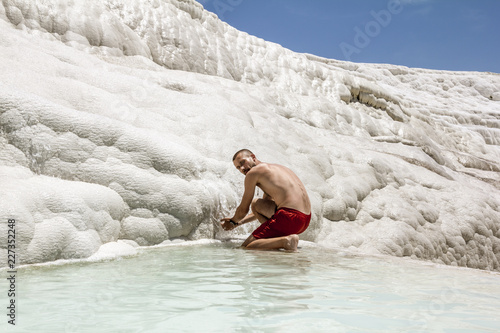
(284, 222)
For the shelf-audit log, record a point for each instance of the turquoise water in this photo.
(222, 288)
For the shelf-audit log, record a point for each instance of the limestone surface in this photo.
(118, 121)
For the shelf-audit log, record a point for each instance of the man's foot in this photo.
(291, 242)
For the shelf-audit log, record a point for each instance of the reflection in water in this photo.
(221, 287)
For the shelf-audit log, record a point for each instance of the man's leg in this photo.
(264, 209)
(289, 242)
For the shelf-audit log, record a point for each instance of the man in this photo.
(284, 211)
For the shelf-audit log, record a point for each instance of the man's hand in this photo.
(227, 225)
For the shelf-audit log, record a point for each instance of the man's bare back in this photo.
(283, 186)
(284, 210)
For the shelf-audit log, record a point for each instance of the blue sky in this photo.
(436, 34)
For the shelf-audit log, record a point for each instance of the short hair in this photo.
(244, 150)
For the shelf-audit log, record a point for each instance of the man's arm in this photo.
(249, 218)
(240, 216)
(250, 183)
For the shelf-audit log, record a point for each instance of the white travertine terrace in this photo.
(118, 120)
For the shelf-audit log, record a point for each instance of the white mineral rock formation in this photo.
(118, 121)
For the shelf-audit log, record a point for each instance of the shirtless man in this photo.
(284, 211)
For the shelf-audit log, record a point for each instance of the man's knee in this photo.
(254, 204)
(263, 207)
(260, 206)
(249, 240)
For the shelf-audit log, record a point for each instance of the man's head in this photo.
(244, 160)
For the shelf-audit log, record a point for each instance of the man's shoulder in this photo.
(272, 167)
(259, 170)
(262, 167)
(266, 169)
